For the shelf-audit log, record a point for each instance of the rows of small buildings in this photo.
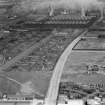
(62, 21)
(73, 94)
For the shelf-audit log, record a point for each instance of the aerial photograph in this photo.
(52, 52)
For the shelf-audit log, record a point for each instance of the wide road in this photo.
(52, 93)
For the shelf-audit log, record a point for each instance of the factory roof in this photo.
(69, 17)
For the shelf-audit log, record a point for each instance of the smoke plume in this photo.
(32, 5)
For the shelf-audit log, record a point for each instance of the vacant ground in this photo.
(75, 68)
(31, 82)
(31, 74)
(91, 43)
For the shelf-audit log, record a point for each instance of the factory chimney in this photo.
(102, 12)
(51, 10)
(82, 12)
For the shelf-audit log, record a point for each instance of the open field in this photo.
(94, 33)
(76, 81)
(17, 42)
(91, 41)
(33, 72)
(91, 44)
(45, 56)
(75, 68)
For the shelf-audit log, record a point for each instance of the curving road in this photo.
(52, 93)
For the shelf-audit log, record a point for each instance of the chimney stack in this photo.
(102, 13)
(82, 12)
(51, 10)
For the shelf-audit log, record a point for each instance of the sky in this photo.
(27, 5)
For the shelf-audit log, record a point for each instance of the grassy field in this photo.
(30, 83)
(34, 72)
(75, 67)
(91, 43)
(16, 42)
